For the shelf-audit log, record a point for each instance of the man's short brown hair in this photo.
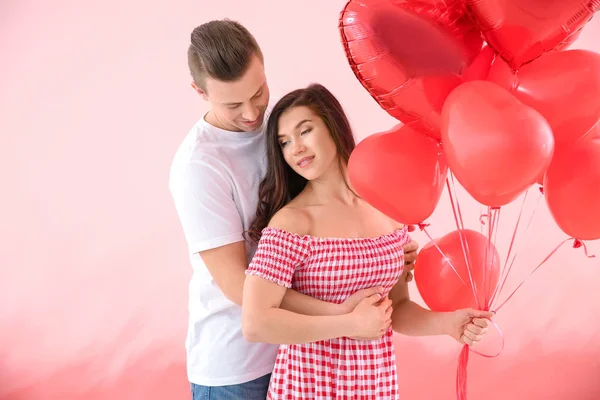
(222, 50)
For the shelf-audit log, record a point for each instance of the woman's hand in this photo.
(468, 325)
(371, 318)
(354, 300)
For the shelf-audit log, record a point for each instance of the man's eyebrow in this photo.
(238, 103)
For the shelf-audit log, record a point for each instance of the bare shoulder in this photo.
(292, 218)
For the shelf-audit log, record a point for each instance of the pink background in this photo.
(94, 99)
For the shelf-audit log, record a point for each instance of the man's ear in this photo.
(199, 90)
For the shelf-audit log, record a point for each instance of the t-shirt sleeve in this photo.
(278, 255)
(203, 197)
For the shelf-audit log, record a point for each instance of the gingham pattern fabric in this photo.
(331, 269)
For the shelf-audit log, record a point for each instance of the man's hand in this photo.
(410, 255)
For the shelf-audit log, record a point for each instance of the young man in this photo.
(214, 183)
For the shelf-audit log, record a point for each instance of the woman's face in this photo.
(305, 142)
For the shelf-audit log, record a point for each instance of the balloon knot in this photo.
(422, 226)
(541, 189)
(578, 243)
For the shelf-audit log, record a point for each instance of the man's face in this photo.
(238, 106)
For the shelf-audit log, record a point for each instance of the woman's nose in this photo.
(299, 148)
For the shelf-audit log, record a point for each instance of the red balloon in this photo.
(481, 65)
(400, 172)
(572, 188)
(522, 30)
(438, 283)
(559, 151)
(562, 86)
(568, 42)
(495, 145)
(409, 55)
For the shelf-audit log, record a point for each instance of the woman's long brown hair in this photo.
(281, 184)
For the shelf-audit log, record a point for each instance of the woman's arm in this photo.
(303, 304)
(466, 325)
(411, 319)
(271, 272)
(264, 321)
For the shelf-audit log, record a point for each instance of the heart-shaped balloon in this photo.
(495, 145)
(479, 69)
(572, 188)
(409, 55)
(447, 282)
(400, 172)
(522, 30)
(568, 42)
(562, 86)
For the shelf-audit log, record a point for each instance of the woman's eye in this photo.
(305, 131)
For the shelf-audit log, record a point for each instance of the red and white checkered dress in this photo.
(331, 269)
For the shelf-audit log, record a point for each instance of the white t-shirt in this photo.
(214, 183)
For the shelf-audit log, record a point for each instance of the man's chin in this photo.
(250, 128)
(253, 128)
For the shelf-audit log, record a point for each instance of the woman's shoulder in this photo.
(293, 219)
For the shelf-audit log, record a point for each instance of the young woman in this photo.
(318, 236)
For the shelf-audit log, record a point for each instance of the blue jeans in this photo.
(253, 390)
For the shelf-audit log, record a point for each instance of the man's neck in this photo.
(212, 119)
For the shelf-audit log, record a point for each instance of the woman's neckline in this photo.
(333, 238)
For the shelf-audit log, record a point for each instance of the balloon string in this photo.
(505, 271)
(463, 361)
(495, 238)
(461, 374)
(576, 244)
(460, 226)
(491, 218)
(494, 216)
(501, 347)
(464, 241)
(446, 258)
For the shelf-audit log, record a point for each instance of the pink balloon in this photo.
(495, 145)
(400, 172)
(572, 188)
(438, 283)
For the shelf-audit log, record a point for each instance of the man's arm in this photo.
(213, 228)
(227, 265)
(264, 321)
